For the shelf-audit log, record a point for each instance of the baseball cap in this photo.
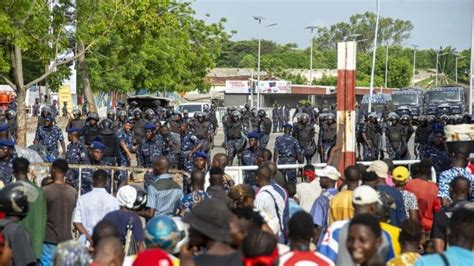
(7, 143)
(380, 168)
(200, 154)
(253, 135)
(97, 145)
(364, 195)
(150, 126)
(73, 129)
(400, 173)
(287, 126)
(330, 172)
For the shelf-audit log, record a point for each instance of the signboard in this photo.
(64, 95)
(274, 86)
(237, 86)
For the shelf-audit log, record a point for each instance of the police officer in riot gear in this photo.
(264, 128)
(203, 131)
(90, 131)
(76, 120)
(327, 136)
(369, 138)
(287, 151)
(150, 116)
(139, 127)
(422, 133)
(121, 118)
(171, 147)
(396, 141)
(233, 136)
(245, 112)
(254, 119)
(107, 135)
(131, 109)
(276, 117)
(186, 117)
(111, 115)
(304, 132)
(406, 122)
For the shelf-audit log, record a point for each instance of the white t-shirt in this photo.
(307, 193)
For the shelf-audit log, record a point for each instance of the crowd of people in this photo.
(375, 215)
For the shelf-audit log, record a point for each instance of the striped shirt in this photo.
(267, 200)
(447, 176)
(164, 199)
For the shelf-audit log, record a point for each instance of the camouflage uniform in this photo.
(148, 151)
(6, 169)
(76, 153)
(49, 137)
(123, 160)
(287, 149)
(188, 142)
(249, 157)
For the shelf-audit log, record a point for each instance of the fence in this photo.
(237, 172)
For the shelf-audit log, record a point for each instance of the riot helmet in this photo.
(262, 113)
(14, 200)
(93, 116)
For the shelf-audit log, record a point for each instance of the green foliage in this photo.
(248, 61)
(391, 31)
(326, 81)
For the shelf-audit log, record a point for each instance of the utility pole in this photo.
(372, 74)
(311, 28)
(456, 67)
(414, 62)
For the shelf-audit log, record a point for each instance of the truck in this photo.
(408, 101)
(447, 100)
(381, 105)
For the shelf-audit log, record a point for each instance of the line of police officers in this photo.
(160, 131)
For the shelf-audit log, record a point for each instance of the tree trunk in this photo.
(17, 65)
(85, 79)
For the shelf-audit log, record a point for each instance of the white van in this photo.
(192, 108)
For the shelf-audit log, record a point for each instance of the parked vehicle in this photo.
(447, 100)
(408, 101)
(193, 107)
(381, 104)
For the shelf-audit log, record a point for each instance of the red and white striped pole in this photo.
(346, 76)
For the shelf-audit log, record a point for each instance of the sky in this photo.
(436, 22)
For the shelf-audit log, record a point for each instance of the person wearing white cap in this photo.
(319, 210)
(123, 218)
(365, 200)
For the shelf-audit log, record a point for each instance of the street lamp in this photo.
(355, 35)
(414, 62)
(372, 74)
(259, 19)
(456, 70)
(311, 28)
(386, 64)
(437, 63)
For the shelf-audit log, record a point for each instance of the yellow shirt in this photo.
(340, 207)
(404, 259)
(394, 232)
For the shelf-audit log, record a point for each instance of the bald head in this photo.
(109, 252)
(161, 165)
(263, 176)
(197, 180)
(220, 160)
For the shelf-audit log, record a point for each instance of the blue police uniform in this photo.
(287, 149)
(249, 157)
(76, 153)
(188, 142)
(49, 137)
(187, 179)
(123, 160)
(86, 173)
(438, 155)
(149, 150)
(6, 166)
(188, 201)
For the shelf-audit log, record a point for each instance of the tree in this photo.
(248, 61)
(392, 31)
(30, 29)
